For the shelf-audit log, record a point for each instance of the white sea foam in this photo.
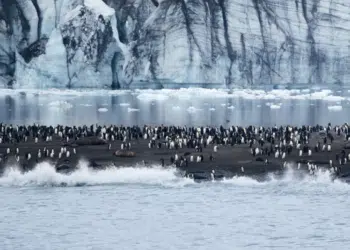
(45, 175)
(295, 179)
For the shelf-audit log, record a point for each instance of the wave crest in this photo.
(44, 174)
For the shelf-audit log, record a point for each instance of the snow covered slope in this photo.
(133, 43)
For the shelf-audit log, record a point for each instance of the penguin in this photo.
(36, 140)
(299, 165)
(109, 146)
(242, 169)
(8, 150)
(257, 151)
(191, 158)
(67, 154)
(212, 174)
(74, 151)
(300, 152)
(276, 154)
(215, 148)
(309, 152)
(329, 148)
(17, 150)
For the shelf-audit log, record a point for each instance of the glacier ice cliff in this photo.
(154, 43)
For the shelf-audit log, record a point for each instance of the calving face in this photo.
(182, 53)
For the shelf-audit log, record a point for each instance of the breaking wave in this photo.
(45, 175)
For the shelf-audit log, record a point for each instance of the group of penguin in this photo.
(277, 142)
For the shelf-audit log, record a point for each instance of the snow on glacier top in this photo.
(99, 7)
(72, 14)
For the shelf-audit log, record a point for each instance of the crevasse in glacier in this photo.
(129, 43)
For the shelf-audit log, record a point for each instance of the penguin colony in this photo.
(232, 150)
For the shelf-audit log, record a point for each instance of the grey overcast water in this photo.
(139, 208)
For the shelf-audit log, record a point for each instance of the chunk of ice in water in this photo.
(335, 108)
(102, 110)
(133, 110)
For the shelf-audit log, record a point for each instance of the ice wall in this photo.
(128, 43)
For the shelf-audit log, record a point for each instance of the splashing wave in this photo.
(45, 175)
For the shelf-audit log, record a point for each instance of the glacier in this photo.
(160, 43)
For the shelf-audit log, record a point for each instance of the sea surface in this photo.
(154, 208)
(191, 107)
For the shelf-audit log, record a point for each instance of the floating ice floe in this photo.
(192, 110)
(124, 104)
(152, 97)
(275, 105)
(86, 105)
(212, 109)
(64, 105)
(190, 93)
(335, 108)
(102, 110)
(176, 108)
(231, 107)
(133, 110)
